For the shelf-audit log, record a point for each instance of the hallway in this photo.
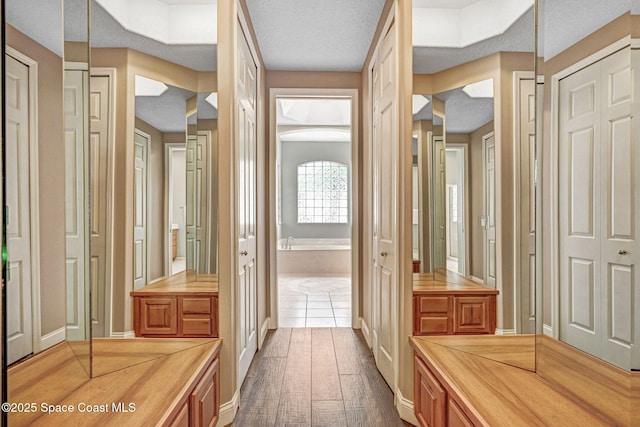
(315, 377)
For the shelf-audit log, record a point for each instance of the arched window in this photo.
(323, 193)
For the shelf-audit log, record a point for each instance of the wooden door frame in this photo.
(325, 93)
(553, 330)
(110, 73)
(39, 342)
(170, 148)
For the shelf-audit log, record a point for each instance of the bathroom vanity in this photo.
(173, 308)
(445, 303)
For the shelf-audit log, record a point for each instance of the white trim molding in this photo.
(52, 338)
(506, 331)
(228, 410)
(126, 334)
(263, 331)
(405, 408)
(547, 330)
(365, 331)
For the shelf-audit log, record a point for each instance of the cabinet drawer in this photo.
(433, 304)
(196, 305)
(197, 326)
(433, 325)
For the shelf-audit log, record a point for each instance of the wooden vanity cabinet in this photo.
(451, 305)
(170, 309)
(202, 407)
(430, 398)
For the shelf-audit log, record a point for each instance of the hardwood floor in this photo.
(315, 377)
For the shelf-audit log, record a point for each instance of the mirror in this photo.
(590, 298)
(473, 121)
(155, 77)
(46, 147)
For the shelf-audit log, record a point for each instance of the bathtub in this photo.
(314, 256)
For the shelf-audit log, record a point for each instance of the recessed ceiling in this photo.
(463, 113)
(314, 111)
(313, 35)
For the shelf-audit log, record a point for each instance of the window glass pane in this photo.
(323, 192)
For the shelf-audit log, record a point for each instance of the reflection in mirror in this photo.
(156, 168)
(471, 203)
(162, 117)
(45, 182)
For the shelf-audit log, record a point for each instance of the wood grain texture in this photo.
(46, 377)
(180, 284)
(515, 350)
(495, 394)
(316, 359)
(157, 388)
(603, 387)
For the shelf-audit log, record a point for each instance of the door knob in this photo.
(244, 253)
(383, 254)
(622, 252)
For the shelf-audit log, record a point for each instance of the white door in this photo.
(202, 205)
(19, 284)
(77, 275)
(192, 206)
(526, 206)
(141, 154)
(439, 203)
(385, 179)
(599, 209)
(490, 209)
(99, 112)
(246, 194)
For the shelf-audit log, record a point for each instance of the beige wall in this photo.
(51, 178)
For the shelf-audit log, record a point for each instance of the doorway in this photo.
(175, 183)
(456, 208)
(312, 153)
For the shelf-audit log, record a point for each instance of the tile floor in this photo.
(314, 302)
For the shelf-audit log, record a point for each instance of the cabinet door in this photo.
(159, 316)
(430, 398)
(182, 419)
(456, 416)
(205, 399)
(472, 315)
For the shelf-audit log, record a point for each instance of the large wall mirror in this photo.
(123, 181)
(474, 152)
(590, 149)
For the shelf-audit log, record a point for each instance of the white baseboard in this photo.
(505, 331)
(405, 408)
(547, 330)
(476, 279)
(263, 331)
(228, 410)
(365, 331)
(126, 334)
(52, 338)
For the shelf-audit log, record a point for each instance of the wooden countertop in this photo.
(181, 284)
(497, 394)
(154, 387)
(447, 282)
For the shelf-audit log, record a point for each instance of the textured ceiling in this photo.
(518, 38)
(312, 35)
(167, 112)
